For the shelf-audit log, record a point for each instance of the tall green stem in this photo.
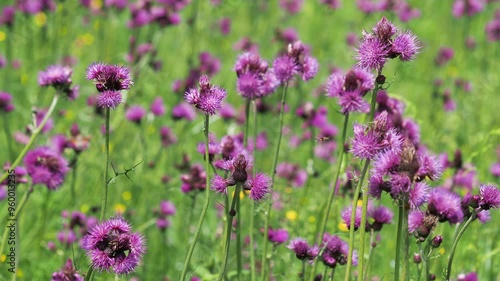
(252, 214)
(36, 132)
(398, 240)
(205, 204)
(73, 181)
(20, 207)
(273, 173)
(104, 201)
(340, 158)
(235, 202)
(353, 219)
(8, 136)
(455, 243)
(364, 208)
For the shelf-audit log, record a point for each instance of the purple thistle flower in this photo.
(490, 197)
(45, 166)
(372, 53)
(418, 195)
(67, 237)
(291, 6)
(7, 16)
(167, 208)
(381, 215)
(467, 277)
(495, 169)
(167, 136)
(219, 184)
(336, 251)
(346, 217)
(415, 220)
(492, 29)
(55, 75)
(444, 55)
(112, 246)
(109, 77)
(350, 89)
(6, 102)
(109, 99)
(278, 236)
(158, 107)
(208, 98)
(135, 113)
(405, 46)
(292, 172)
(259, 186)
(446, 205)
(67, 273)
(195, 180)
(375, 48)
(302, 250)
(467, 7)
(284, 68)
(39, 115)
(183, 111)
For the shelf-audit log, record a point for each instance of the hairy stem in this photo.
(104, 201)
(235, 202)
(273, 173)
(455, 243)
(205, 204)
(36, 132)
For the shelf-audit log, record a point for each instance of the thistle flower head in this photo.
(67, 273)
(46, 166)
(109, 77)
(489, 197)
(208, 98)
(112, 246)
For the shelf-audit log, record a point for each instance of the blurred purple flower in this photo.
(67, 273)
(45, 166)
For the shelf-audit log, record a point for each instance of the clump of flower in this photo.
(349, 89)
(258, 185)
(46, 166)
(135, 114)
(277, 236)
(335, 251)
(166, 210)
(292, 173)
(255, 78)
(377, 47)
(195, 180)
(109, 81)
(401, 173)
(296, 61)
(467, 7)
(6, 105)
(368, 141)
(208, 98)
(444, 55)
(67, 273)
(59, 77)
(302, 249)
(112, 245)
(492, 28)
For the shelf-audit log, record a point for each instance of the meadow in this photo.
(150, 166)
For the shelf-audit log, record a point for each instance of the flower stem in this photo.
(332, 193)
(273, 173)
(364, 208)
(8, 136)
(455, 243)
(90, 274)
(370, 254)
(205, 205)
(104, 201)
(398, 241)
(252, 214)
(15, 216)
(36, 132)
(235, 202)
(73, 181)
(353, 219)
